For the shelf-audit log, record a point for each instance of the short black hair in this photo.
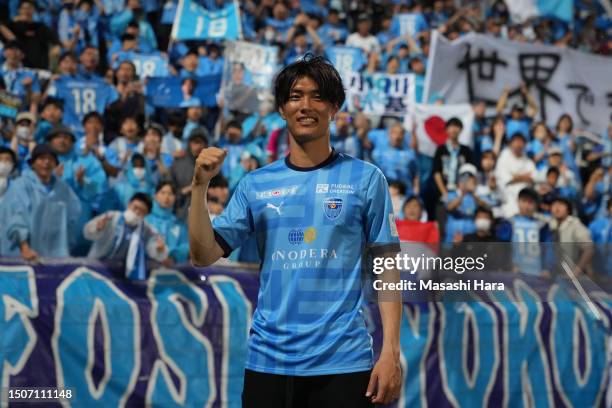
(55, 102)
(529, 193)
(564, 200)
(518, 134)
(163, 184)
(454, 121)
(218, 181)
(233, 124)
(484, 210)
(553, 170)
(399, 185)
(138, 158)
(320, 70)
(143, 198)
(93, 115)
(6, 150)
(127, 37)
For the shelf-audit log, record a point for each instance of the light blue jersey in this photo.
(311, 227)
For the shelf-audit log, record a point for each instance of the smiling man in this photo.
(311, 213)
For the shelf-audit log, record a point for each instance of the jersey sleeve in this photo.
(235, 224)
(379, 221)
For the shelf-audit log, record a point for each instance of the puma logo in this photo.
(275, 208)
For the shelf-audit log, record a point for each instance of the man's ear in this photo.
(282, 114)
(335, 110)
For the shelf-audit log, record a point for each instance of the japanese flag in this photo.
(430, 120)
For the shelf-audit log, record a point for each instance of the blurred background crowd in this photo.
(79, 171)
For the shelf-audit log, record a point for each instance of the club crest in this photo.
(332, 208)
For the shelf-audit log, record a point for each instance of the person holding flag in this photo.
(309, 341)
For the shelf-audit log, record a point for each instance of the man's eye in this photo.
(294, 97)
(317, 97)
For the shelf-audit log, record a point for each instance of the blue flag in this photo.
(193, 22)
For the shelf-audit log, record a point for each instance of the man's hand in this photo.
(103, 222)
(59, 170)
(208, 165)
(27, 81)
(386, 379)
(27, 253)
(160, 246)
(79, 175)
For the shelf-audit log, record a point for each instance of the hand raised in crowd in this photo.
(160, 246)
(79, 175)
(103, 222)
(27, 81)
(208, 165)
(59, 170)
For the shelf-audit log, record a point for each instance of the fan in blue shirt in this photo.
(396, 161)
(311, 213)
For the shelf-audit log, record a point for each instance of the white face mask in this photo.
(131, 218)
(5, 169)
(269, 35)
(22, 132)
(482, 224)
(139, 172)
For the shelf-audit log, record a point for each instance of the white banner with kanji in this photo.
(562, 80)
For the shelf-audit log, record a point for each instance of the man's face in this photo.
(554, 160)
(93, 126)
(517, 145)
(307, 115)
(396, 136)
(517, 114)
(526, 206)
(43, 166)
(479, 109)
(90, 59)
(190, 62)
(220, 193)
(343, 121)
(129, 129)
(194, 113)
(165, 197)
(363, 27)
(7, 158)
(62, 143)
(26, 10)
(551, 179)
(139, 208)
(52, 113)
(125, 73)
(453, 132)
(68, 66)
(196, 146)
(13, 55)
(152, 140)
(234, 135)
(487, 162)
(559, 210)
(412, 211)
(417, 66)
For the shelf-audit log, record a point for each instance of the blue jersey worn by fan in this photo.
(311, 225)
(81, 96)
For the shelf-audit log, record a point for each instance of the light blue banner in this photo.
(194, 22)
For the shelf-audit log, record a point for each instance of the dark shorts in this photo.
(320, 391)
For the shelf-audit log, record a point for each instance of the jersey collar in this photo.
(332, 156)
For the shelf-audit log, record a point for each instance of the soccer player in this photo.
(311, 213)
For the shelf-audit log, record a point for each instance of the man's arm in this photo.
(386, 378)
(203, 246)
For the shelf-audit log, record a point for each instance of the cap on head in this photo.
(42, 150)
(60, 130)
(25, 116)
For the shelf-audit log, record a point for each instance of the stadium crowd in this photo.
(79, 172)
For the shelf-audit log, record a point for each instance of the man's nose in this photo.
(305, 103)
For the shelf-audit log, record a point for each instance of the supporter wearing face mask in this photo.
(7, 166)
(23, 142)
(126, 237)
(136, 178)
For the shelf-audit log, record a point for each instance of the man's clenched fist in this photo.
(208, 164)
